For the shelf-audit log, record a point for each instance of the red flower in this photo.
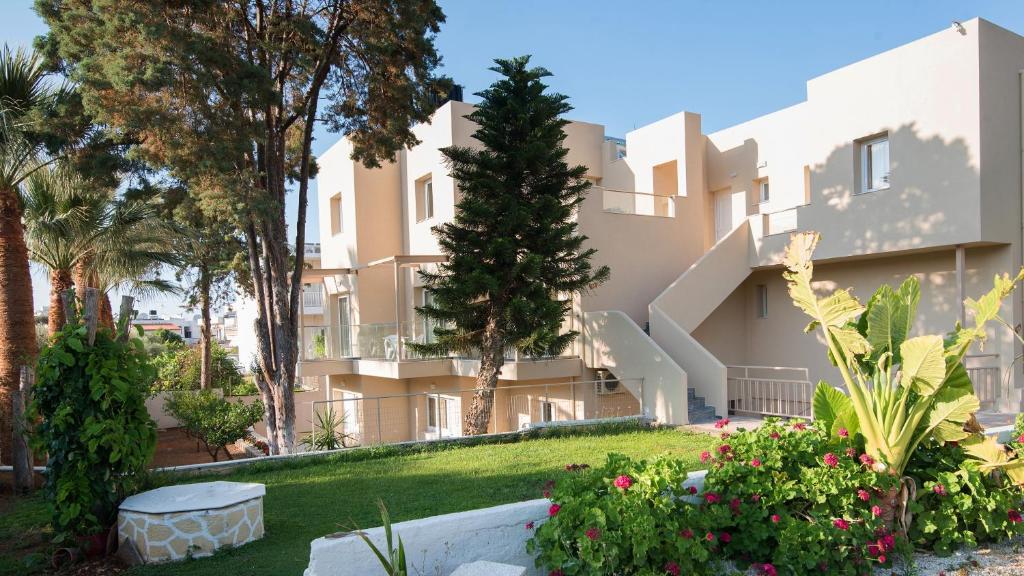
(939, 489)
(672, 568)
(686, 533)
(841, 524)
(710, 537)
(593, 533)
(1014, 516)
(734, 505)
(881, 558)
(725, 435)
(800, 426)
(705, 456)
(623, 482)
(529, 525)
(851, 452)
(725, 537)
(547, 493)
(724, 449)
(712, 498)
(863, 495)
(843, 433)
(775, 518)
(756, 462)
(554, 509)
(755, 497)
(555, 572)
(867, 460)
(831, 460)
(876, 510)
(1020, 439)
(768, 570)
(775, 436)
(722, 423)
(692, 490)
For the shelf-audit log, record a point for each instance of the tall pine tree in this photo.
(513, 248)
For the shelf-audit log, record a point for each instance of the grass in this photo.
(312, 498)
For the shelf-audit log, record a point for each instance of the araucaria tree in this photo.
(515, 258)
(226, 96)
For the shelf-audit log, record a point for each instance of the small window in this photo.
(188, 332)
(431, 412)
(874, 164)
(762, 187)
(424, 199)
(762, 301)
(337, 223)
(547, 412)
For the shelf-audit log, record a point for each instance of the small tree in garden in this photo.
(90, 404)
(902, 391)
(513, 248)
(213, 420)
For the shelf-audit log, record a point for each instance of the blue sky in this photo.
(626, 64)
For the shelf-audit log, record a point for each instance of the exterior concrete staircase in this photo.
(697, 410)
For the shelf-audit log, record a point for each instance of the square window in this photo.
(762, 301)
(874, 164)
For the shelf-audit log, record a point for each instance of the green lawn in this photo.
(319, 497)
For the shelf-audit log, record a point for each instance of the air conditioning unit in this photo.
(607, 384)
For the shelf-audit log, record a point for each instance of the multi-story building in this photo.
(908, 162)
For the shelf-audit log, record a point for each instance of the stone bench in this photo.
(189, 520)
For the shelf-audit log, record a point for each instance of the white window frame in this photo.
(763, 191)
(865, 163)
(762, 300)
(437, 421)
(425, 194)
(547, 411)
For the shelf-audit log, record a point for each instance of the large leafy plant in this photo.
(901, 390)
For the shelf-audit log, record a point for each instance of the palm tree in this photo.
(88, 237)
(23, 91)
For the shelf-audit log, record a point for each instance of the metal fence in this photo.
(770, 391)
(359, 420)
(984, 371)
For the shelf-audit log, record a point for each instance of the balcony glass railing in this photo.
(638, 203)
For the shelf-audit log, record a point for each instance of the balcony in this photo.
(313, 299)
(637, 203)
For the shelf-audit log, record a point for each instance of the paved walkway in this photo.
(986, 419)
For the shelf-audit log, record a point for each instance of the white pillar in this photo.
(961, 293)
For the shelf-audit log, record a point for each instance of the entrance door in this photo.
(345, 326)
(730, 210)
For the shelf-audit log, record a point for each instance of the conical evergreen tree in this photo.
(514, 252)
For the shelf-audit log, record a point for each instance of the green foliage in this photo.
(958, 503)
(328, 432)
(93, 425)
(903, 391)
(394, 563)
(513, 247)
(179, 367)
(601, 524)
(212, 420)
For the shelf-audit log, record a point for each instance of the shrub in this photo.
(178, 368)
(624, 518)
(90, 402)
(213, 420)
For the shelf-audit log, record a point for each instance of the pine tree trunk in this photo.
(492, 357)
(60, 282)
(205, 360)
(17, 326)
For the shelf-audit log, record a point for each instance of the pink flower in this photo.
(775, 519)
(725, 537)
(876, 510)
(722, 423)
(712, 498)
(555, 572)
(686, 533)
(867, 460)
(724, 449)
(593, 533)
(529, 525)
(881, 558)
(672, 568)
(710, 537)
(547, 493)
(768, 570)
(1020, 439)
(800, 426)
(554, 509)
(939, 489)
(863, 495)
(775, 436)
(705, 456)
(841, 524)
(831, 460)
(756, 462)
(692, 490)
(843, 433)
(1014, 516)
(755, 497)
(850, 452)
(734, 505)
(623, 482)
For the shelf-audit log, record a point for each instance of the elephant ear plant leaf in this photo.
(901, 391)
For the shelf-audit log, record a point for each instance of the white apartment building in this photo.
(908, 162)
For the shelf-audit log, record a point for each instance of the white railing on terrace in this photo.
(637, 203)
(984, 372)
(313, 299)
(364, 420)
(770, 391)
(779, 222)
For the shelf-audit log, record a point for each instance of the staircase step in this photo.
(702, 415)
(696, 403)
(691, 393)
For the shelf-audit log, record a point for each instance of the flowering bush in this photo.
(792, 498)
(623, 518)
(957, 503)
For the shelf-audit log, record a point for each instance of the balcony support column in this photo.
(961, 258)
(398, 312)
